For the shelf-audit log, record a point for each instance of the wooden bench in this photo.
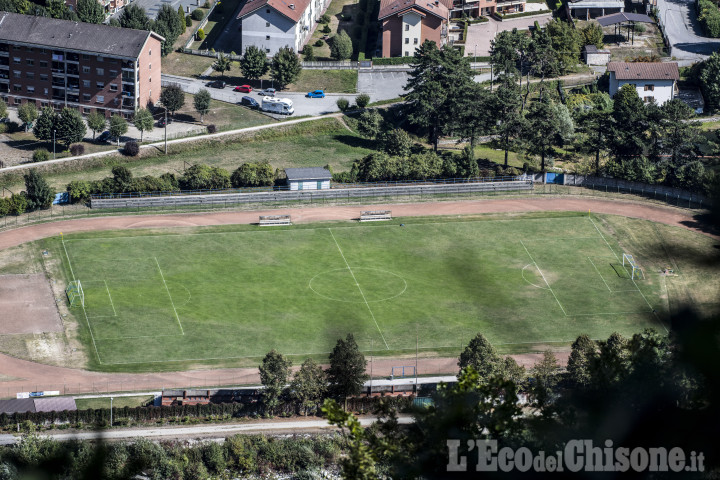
(272, 220)
(375, 215)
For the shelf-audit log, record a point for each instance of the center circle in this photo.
(358, 285)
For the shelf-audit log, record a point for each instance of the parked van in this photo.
(282, 106)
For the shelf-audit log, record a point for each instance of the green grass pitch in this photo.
(213, 295)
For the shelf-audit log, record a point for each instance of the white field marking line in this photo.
(140, 336)
(110, 297)
(522, 272)
(87, 320)
(543, 277)
(350, 301)
(603, 237)
(358, 285)
(601, 277)
(169, 296)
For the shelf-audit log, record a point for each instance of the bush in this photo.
(325, 18)
(326, 29)
(709, 17)
(319, 42)
(132, 149)
(188, 21)
(206, 4)
(200, 35)
(197, 14)
(640, 28)
(4, 127)
(362, 100)
(308, 53)
(40, 155)
(211, 128)
(342, 103)
(77, 149)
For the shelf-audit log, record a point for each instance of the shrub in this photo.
(200, 35)
(326, 29)
(77, 149)
(342, 103)
(319, 42)
(40, 155)
(197, 14)
(188, 21)
(308, 53)
(211, 128)
(362, 100)
(3, 127)
(79, 190)
(132, 149)
(325, 18)
(640, 28)
(206, 4)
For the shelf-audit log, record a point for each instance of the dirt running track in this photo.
(20, 375)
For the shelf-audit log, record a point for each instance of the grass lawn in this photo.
(118, 402)
(224, 115)
(166, 299)
(337, 10)
(334, 81)
(186, 65)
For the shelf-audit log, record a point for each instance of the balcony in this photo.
(72, 57)
(73, 71)
(128, 66)
(58, 84)
(58, 97)
(4, 53)
(58, 71)
(128, 103)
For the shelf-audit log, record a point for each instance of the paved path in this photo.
(684, 31)
(21, 375)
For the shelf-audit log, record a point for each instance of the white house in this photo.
(273, 24)
(313, 178)
(653, 81)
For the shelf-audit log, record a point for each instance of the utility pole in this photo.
(417, 346)
(111, 400)
(165, 130)
(53, 144)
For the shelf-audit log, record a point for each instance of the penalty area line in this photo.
(169, 296)
(545, 279)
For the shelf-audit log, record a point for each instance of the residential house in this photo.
(273, 24)
(62, 63)
(406, 24)
(653, 81)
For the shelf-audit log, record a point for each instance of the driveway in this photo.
(684, 32)
(480, 35)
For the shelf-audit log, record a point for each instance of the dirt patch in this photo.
(28, 305)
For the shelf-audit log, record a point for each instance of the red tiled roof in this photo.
(644, 71)
(439, 8)
(293, 9)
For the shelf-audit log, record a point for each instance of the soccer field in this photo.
(213, 295)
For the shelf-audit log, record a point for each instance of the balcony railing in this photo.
(58, 71)
(73, 71)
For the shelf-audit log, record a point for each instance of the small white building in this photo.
(313, 178)
(595, 56)
(653, 81)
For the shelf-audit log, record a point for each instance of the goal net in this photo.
(75, 294)
(637, 272)
(402, 372)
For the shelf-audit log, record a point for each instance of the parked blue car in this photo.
(316, 94)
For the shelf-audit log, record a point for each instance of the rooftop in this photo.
(439, 8)
(622, 17)
(644, 70)
(312, 173)
(293, 9)
(69, 35)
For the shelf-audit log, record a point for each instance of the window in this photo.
(415, 41)
(100, 84)
(86, 110)
(30, 74)
(30, 89)
(44, 77)
(86, 69)
(149, 66)
(407, 27)
(30, 61)
(45, 92)
(649, 88)
(17, 101)
(99, 58)
(42, 50)
(407, 40)
(85, 57)
(150, 52)
(267, 50)
(17, 60)
(29, 49)
(17, 74)
(407, 54)
(267, 37)
(267, 24)
(17, 88)
(648, 99)
(113, 87)
(116, 101)
(86, 83)
(86, 97)
(100, 71)
(113, 73)
(43, 63)
(100, 99)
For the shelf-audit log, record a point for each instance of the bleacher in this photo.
(273, 220)
(375, 215)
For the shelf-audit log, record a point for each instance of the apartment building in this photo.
(477, 8)
(406, 24)
(110, 6)
(61, 63)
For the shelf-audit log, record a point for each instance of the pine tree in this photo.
(347, 368)
(582, 352)
(37, 190)
(309, 385)
(274, 374)
(481, 355)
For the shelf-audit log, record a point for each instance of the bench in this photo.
(375, 215)
(272, 220)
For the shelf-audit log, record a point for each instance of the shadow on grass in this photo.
(357, 142)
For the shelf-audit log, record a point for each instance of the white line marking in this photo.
(522, 272)
(543, 277)
(358, 285)
(110, 297)
(170, 296)
(603, 237)
(601, 277)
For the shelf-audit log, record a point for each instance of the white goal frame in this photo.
(636, 270)
(75, 293)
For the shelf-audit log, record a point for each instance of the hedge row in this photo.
(709, 17)
(522, 14)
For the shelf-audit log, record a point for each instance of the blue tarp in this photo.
(61, 198)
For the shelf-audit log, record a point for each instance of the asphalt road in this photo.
(684, 31)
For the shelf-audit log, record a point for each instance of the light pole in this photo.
(111, 399)
(53, 144)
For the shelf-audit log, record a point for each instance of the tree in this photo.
(346, 374)
(274, 374)
(482, 357)
(509, 122)
(168, 25)
(582, 353)
(542, 58)
(203, 177)
(628, 136)
(37, 191)
(475, 114)
(96, 122)
(545, 375)
(370, 123)
(181, 17)
(28, 114)
(593, 34)
(172, 98)
(259, 174)
(202, 103)
(254, 63)
(680, 137)
(504, 54)
(438, 77)
(709, 78)
(396, 142)
(118, 127)
(308, 53)
(566, 41)
(341, 47)
(543, 129)
(285, 67)
(222, 64)
(143, 121)
(46, 122)
(90, 11)
(3, 109)
(70, 127)
(596, 123)
(309, 385)
(135, 17)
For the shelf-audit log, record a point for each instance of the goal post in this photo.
(636, 270)
(75, 294)
(402, 371)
